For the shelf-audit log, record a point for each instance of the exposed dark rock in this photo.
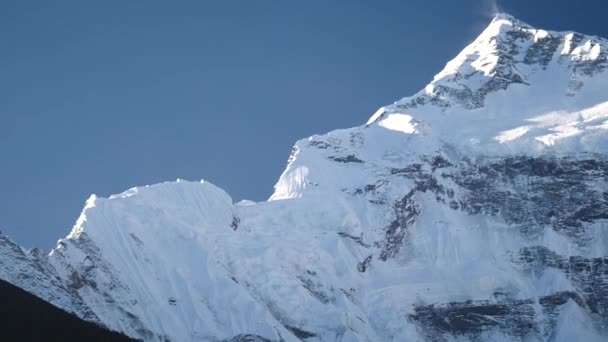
(454, 205)
(542, 50)
(292, 154)
(349, 293)
(405, 212)
(357, 239)
(575, 41)
(136, 239)
(363, 265)
(300, 333)
(551, 306)
(471, 318)
(590, 67)
(589, 275)
(411, 169)
(560, 298)
(370, 188)
(529, 193)
(535, 193)
(316, 290)
(351, 158)
(512, 317)
(94, 266)
(319, 144)
(235, 223)
(36, 253)
(438, 161)
(247, 338)
(75, 280)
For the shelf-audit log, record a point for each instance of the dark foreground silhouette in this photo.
(25, 317)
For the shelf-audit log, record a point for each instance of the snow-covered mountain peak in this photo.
(490, 49)
(167, 198)
(514, 88)
(509, 51)
(473, 210)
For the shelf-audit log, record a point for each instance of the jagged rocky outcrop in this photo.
(507, 55)
(514, 318)
(589, 277)
(529, 194)
(33, 273)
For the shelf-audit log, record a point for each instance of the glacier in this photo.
(476, 209)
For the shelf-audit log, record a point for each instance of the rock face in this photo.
(476, 209)
(33, 273)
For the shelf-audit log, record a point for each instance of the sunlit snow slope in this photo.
(474, 210)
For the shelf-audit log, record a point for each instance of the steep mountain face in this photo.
(33, 273)
(476, 209)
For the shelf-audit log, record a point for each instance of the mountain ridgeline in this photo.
(474, 210)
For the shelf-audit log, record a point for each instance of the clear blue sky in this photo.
(100, 96)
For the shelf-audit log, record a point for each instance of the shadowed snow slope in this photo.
(476, 209)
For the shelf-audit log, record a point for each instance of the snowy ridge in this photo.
(516, 88)
(473, 210)
(32, 272)
(146, 261)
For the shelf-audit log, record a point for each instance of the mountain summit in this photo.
(476, 209)
(517, 88)
(508, 53)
